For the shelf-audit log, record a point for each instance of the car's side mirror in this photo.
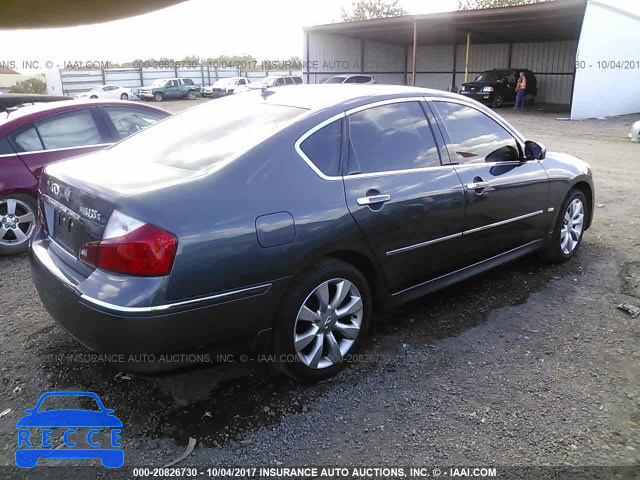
(534, 151)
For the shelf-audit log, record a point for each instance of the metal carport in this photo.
(451, 46)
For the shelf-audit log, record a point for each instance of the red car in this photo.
(37, 135)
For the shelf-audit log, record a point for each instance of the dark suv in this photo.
(498, 86)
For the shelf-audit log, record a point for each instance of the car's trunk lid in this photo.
(79, 195)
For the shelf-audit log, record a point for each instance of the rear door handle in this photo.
(373, 199)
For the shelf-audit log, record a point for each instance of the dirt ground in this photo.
(530, 364)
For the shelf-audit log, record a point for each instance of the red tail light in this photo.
(131, 247)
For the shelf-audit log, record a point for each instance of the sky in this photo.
(265, 29)
(269, 30)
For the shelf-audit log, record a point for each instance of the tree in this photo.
(368, 9)
(478, 4)
(30, 85)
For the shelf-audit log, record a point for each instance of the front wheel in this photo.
(124, 96)
(323, 320)
(191, 95)
(569, 228)
(158, 96)
(17, 223)
(498, 100)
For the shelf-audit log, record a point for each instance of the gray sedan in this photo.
(279, 220)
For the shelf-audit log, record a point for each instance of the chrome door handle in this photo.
(373, 199)
(477, 185)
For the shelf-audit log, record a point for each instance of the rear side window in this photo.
(27, 140)
(391, 137)
(297, 80)
(70, 129)
(128, 120)
(323, 148)
(288, 80)
(474, 137)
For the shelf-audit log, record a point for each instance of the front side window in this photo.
(27, 140)
(323, 148)
(473, 136)
(70, 129)
(362, 79)
(391, 137)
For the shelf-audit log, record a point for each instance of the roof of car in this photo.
(62, 105)
(314, 97)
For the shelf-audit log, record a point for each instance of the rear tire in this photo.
(17, 223)
(569, 228)
(93, 97)
(124, 96)
(323, 319)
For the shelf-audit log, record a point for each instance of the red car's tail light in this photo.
(132, 247)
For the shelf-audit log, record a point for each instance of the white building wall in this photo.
(54, 82)
(608, 36)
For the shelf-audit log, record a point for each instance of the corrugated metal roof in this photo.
(539, 22)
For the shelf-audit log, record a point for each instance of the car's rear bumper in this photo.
(198, 324)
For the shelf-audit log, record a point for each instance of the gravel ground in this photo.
(530, 364)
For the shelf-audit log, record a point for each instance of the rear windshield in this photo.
(209, 136)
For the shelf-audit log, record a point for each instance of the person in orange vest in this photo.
(521, 88)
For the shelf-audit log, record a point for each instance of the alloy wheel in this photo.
(328, 323)
(17, 221)
(572, 226)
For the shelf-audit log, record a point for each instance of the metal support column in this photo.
(415, 48)
(466, 60)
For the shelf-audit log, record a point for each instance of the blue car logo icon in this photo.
(83, 437)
